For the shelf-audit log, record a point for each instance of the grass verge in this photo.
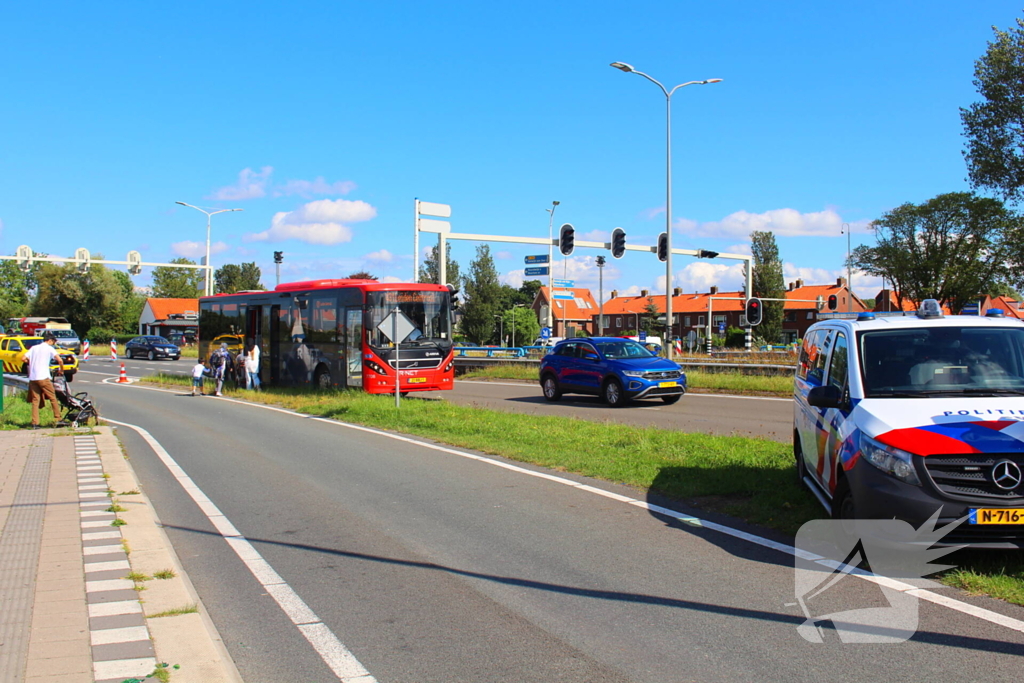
(752, 479)
(712, 382)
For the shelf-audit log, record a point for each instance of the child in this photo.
(198, 370)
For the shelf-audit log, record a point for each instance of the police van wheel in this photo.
(801, 466)
(842, 501)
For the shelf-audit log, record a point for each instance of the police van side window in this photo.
(808, 353)
(816, 371)
(838, 366)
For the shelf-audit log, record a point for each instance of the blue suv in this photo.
(616, 369)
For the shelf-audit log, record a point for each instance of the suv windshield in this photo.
(942, 361)
(623, 349)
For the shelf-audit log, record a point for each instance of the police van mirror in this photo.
(825, 397)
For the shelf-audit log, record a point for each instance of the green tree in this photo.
(231, 278)
(483, 297)
(177, 283)
(132, 304)
(994, 127)
(529, 290)
(953, 248)
(90, 299)
(362, 275)
(649, 319)
(769, 283)
(14, 292)
(428, 271)
(524, 321)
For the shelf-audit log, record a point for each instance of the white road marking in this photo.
(688, 395)
(945, 601)
(342, 662)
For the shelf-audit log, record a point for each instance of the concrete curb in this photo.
(189, 640)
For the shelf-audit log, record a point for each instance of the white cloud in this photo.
(651, 214)
(782, 222)
(864, 285)
(382, 256)
(595, 236)
(320, 222)
(504, 255)
(632, 290)
(250, 185)
(391, 278)
(700, 276)
(197, 250)
(739, 249)
(310, 188)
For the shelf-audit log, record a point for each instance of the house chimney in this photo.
(678, 291)
(840, 282)
(799, 284)
(615, 293)
(791, 286)
(714, 290)
(644, 292)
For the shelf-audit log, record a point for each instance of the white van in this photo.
(902, 416)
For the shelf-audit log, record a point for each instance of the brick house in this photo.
(162, 316)
(568, 315)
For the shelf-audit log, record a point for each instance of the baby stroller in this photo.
(78, 407)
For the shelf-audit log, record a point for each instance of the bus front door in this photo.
(272, 331)
(354, 346)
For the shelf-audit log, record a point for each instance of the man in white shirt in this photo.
(40, 387)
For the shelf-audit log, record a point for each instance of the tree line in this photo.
(100, 302)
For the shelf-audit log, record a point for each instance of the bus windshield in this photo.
(428, 312)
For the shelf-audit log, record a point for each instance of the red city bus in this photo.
(332, 333)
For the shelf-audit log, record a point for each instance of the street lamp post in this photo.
(208, 289)
(501, 329)
(514, 307)
(668, 187)
(551, 265)
(849, 282)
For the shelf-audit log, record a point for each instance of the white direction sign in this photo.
(405, 327)
(435, 209)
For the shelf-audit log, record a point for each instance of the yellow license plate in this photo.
(995, 516)
(417, 380)
(666, 385)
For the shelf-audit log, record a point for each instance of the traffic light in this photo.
(278, 256)
(600, 261)
(833, 302)
(24, 255)
(82, 258)
(754, 311)
(705, 253)
(618, 242)
(566, 239)
(663, 246)
(134, 262)
(453, 296)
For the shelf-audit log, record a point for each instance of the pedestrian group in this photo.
(243, 369)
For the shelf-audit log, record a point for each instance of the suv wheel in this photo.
(550, 387)
(613, 393)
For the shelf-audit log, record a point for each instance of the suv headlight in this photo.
(892, 461)
(634, 373)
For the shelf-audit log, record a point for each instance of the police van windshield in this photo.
(428, 312)
(943, 361)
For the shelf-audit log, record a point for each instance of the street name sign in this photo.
(563, 283)
(536, 260)
(531, 272)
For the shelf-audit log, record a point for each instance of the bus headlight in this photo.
(892, 461)
(376, 368)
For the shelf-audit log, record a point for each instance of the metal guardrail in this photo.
(14, 383)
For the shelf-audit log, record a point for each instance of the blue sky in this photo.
(324, 121)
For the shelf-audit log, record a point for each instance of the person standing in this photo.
(252, 368)
(198, 370)
(40, 386)
(220, 362)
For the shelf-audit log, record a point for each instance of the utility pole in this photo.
(600, 295)
(278, 257)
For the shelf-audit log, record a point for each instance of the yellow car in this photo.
(233, 341)
(14, 347)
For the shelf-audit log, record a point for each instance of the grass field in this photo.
(711, 382)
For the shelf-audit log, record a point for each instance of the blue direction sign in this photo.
(721, 327)
(643, 336)
(567, 296)
(530, 272)
(563, 283)
(536, 260)
(545, 333)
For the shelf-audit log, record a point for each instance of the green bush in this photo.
(735, 338)
(100, 336)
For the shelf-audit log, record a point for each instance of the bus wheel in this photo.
(323, 378)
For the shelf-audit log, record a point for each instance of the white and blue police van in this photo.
(897, 417)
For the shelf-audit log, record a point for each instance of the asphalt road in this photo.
(770, 418)
(430, 566)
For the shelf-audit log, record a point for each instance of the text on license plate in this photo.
(666, 385)
(995, 516)
(417, 380)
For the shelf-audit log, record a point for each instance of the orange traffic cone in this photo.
(123, 379)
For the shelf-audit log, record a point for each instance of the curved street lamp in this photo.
(208, 289)
(622, 66)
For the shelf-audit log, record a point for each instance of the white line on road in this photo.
(688, 395)
(335, 655)
(935, 598)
